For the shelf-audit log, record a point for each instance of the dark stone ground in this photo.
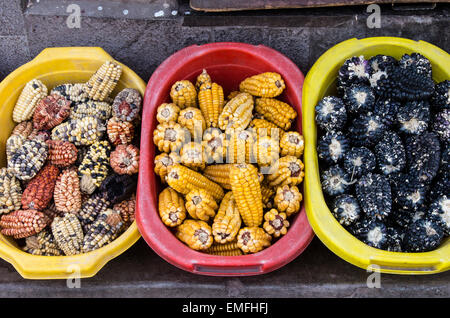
(142, 44)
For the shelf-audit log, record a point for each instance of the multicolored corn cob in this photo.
(10, 191)
(23, 223)
(28, 158)
(50, 112)
(68, 233)
(33, 92)
(72, 92)
(125, 159)
(103, 231)
(119, 132)
(94, 167)
(103, 82)
(81, 132)
(43, 244)
(127, 104)
(91, 208)
(126, 208)
(23, 129)
(67, 195)
(100, 110)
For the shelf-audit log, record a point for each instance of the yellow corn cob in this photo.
(183, 94)
(169, 136)
(276, 111)
(247, 193)
(103, 82)
(183, 180)
(219, 174)
(253, 239)
(202, 79)
(233, 94)
(288, 170)
(266, 151)
(227, 221)
(288, 199)
(192, 156)
(240, 147)
(211, 101)
(215, 145)
(227, 249)
(163, 162)
(201, 205)
(292, 144)
(167, 112)
(192, 119)
(267, 194)
(237, 113)
(275, 223)
(196, 234)
(33, 92)
(171, 207)
(266, 128)
(267, 84)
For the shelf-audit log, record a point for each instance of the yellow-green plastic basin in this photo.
(320, 82)
(54, 66)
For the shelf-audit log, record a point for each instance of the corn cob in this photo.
(192, 119)
(220, 174)
(227, 221)
(103, 231)
(253, 239)
(94, 167)
(50, 112)
(202, 79)
(125, 159)
(126, 208)
(72, 92)
(227, 249)
(237, 113)
(100, 110)
(67, 195)
(247, 193)
(103, 82)
(275, 223)
(276, 111)
(288, 170)
(118, 187)
(163, 162)
(119, 132)
(267, 84)
(196, 234)
(33, 92)
(171, 207)
(91, 208)
(167, 113)
(81, 132)
(23, 129)
(170, 136)
(263, 128)
(39, 191)
(201, 205)
(214, 144)
(211, 101)
(192, 156)
(10, 191)
(266, 150)
(61, 153)
(233, 94)
(23, 223)
(184, 94)
(43, 244)
(288, 199)
(240, 147)
(127, 104)
(28, 159)
(236, 252)
(183, 180)
(13, 143)
(68, 233)
(292, 144)
(267, 194)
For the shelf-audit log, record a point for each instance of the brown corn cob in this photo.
(119, 132)
(227, 249)
(211, 101)
(275, 223)
(50, 112)
(220, 174)
(103, 82)
(61, 153)
(26, 160)
(10, 191)
(253, 239)
(201, 205)
(184, 94)
(81, 132)
(94, 167)
(237, 113)
(167, 112)
(215, 145)
(126, 208)
(125, 159)
(267, 84)
(127, 104)
(202, 79)
(276, 111)
(33, 92)
(192, 156)
(288, 170)
(23, 223)
(288, 199)
(163, 162)
(196, 234)
(192, 119)
(68, 233)
(247, 193)
(23, 129)
(227, 221)
(100, 110)
(171, 207)
(91, 208)
(266, 151)
(266, 128)
(292, 144)
(240, 147)
(267, 194)
(39, 191)
(103, 231)
(43, 244)
(169, 136)
(183, 180)
(67, 195)
(72, 92)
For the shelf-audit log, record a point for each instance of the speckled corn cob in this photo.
(288, 170)
(125, 159)
(163, 162)
(119, 132)
(215, 145)
(196, 234)
(288, 199)
(103, 82)
(211, 101)
(127, 104)
(266, 128)
(267, 84)
(68, 233)
(247, 193)
(61, 153)
(267, 194)
(67, 195)
(10, 191)
(23, 129)
(202, 79)
(167, 112)
(184, 94)
(91, 208)
(171, 207)
(23, 223)
(33, 92)
(100, 110)
(292, 144)
(103, 231)
(43, 244)
(13, 143)
(94, 167)
(227, 221)
(27, 159)
(192, 156)
(228, 249)
(237, 113)
(201, 205)
(240, 147)
(126, 208)
(39, 191)
(253, 239)
(193, 120)
(73, 92)
(276, 111)
(266, 150)
(50, 112)
(275, 223)
(169, 136)
(220, 174)
(81, 132)
(183, 180)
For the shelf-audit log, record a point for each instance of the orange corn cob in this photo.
(171, 207)
(292, 144)
(267, 194)
(196, 234)
(287, 170)
(266, 128)
(276, 111)
(201, 205)
(163, 162)
(267, 84)
(227, 249)
(266, 151)
(211, 101)
(169, 136)
(288, 199)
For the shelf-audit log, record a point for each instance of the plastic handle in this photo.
(225, 270)
(50, 54)
(402, 267)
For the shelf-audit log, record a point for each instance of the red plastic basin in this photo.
(228, 64)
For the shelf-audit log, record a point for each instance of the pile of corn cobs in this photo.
(242, 145)
(70, 179)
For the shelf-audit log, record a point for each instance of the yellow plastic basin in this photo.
(320, 82)
(56, 66)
